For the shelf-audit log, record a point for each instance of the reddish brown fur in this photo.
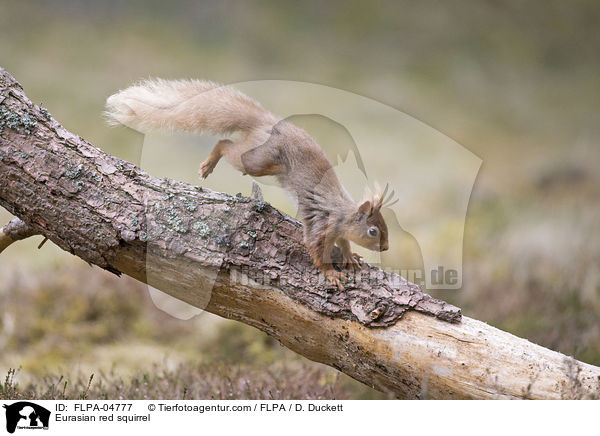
(266, 146)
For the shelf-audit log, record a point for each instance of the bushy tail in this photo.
(186, 105)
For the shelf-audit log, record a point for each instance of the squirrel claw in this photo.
(353, 262)
(335, 278)
(206, 168)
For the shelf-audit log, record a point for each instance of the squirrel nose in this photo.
(385, 246)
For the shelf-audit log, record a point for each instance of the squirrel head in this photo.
(367, 227)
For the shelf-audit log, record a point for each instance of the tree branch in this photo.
(14, 231)
(241, 259)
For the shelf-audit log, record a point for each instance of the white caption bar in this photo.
(277, 417)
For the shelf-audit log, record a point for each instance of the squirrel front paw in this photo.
(336, 278)
(352, 261)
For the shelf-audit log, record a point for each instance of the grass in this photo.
(107, 340)
(219, 382)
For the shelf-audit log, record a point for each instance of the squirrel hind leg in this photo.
(320, 251)
(217, 153)
(262, 161)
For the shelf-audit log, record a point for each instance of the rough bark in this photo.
(14, 231)
(242, 259)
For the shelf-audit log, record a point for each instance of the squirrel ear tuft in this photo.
(365, 207)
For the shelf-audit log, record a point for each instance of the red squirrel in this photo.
(264, 146)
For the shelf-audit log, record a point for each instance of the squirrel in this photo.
(264, 146)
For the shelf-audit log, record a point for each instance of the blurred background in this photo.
(514, 82)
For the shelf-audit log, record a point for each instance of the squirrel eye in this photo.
(373, 231)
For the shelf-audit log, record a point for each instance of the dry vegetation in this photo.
(78, 323)
(201, 381)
